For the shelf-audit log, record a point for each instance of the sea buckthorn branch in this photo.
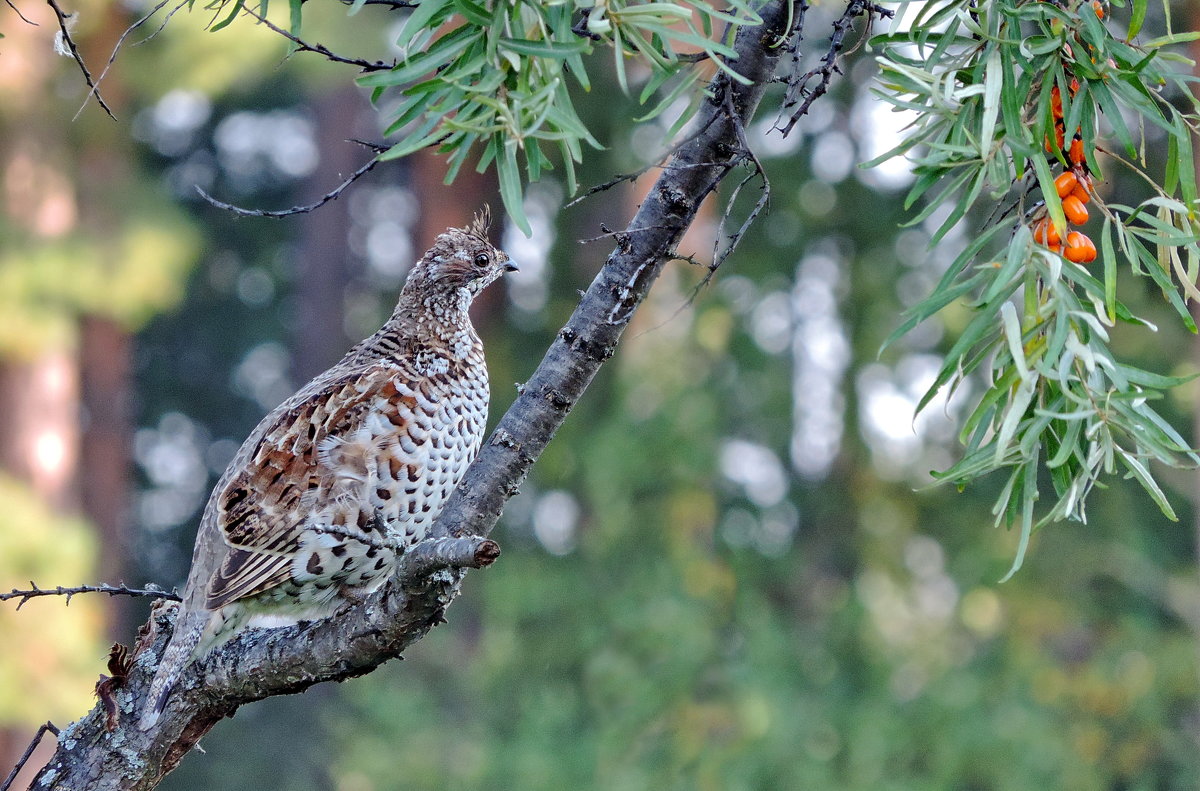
(1004, 94)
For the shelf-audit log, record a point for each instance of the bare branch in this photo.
(326, 198)
(92, 91)
(24, 18)
(800, 93)
(320, 49)
(721, 254)
(69, 43)
(37, 737)
(435, 554)
(34, 592)
(608, 233)
(623, 177)
(166, 19)
(394, 5)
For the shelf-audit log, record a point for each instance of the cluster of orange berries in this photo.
(1073, 187)
(1073, 191)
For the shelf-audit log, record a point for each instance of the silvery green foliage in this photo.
(494, 77)
(979, 80)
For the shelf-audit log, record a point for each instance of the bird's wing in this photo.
(262, 507)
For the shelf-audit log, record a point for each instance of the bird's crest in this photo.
(481, 224)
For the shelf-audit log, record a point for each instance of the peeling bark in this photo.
(262, 663)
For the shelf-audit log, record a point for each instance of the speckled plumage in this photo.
(337, 481)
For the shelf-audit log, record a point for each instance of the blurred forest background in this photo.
(728, 570)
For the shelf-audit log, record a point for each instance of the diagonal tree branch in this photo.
(262, 663)
(68, 45)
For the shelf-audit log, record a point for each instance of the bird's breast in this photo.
(424, 447)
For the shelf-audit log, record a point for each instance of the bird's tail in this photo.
(189, 629)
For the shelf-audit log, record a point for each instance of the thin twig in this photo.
(748, 154)
(607, 233)
(799, 94)
(320, 49)
(332, 195)
(113, 57)
(744, 154)
(24, 19)
(162, 26)
(47, 726)
(637, 173)
(394, 5)
(70, 44)
(112, 590)
(378, 148)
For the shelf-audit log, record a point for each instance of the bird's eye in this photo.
(482, 260)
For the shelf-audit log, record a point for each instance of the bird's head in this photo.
(461, 258)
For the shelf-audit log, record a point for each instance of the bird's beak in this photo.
(509, 266)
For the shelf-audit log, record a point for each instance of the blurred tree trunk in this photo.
(105, 369)
(39, 435)
(64, 399)
(323, 268)
(105, 347)
(39, 444)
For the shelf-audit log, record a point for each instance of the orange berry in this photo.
(1074, 86)
(1045, 233)
(1056, 102)
(1065, 184)
(1098, 7)
(1080, 192)
(1075, 156)
(1079, 248)
(1053, 147)
(1075, 211)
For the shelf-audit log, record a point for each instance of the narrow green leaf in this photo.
(474, 13)
(1028, 498)
(1053, 204)
(1069, 443)
(939, 299)
(509, 176)
(1149, 379)
(441, 52)
(1113, 115)
(1138, 471)
(1110, 270)
(1136, 18)
(237, 8)
(992, 86)
(1187, 165)
(295, 10)
(1171, 173)
(424, 135)
(427, 15)
(1174, 38)
(544, 49)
